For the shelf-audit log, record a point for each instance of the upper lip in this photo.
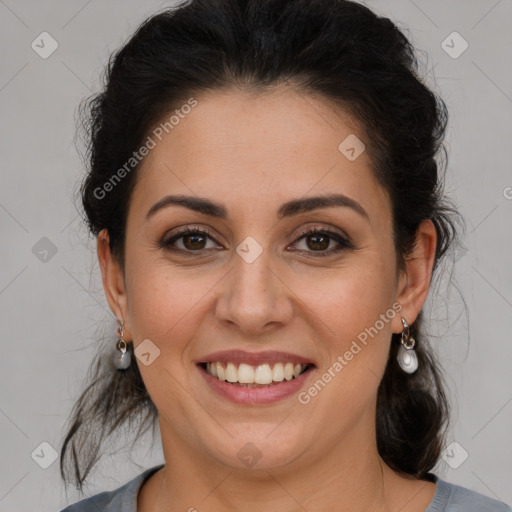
(254, 358)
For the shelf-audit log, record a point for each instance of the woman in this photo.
(269, 215)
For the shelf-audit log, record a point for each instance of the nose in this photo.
(254, 298)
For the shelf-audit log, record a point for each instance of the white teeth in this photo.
(231, 373)
(221, 373)
(278, 372)
(288, 371)
(263, 374)
(246, 374)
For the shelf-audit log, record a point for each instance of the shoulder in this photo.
(123, 498)
(455, 498)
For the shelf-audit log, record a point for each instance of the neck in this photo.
(345, 477)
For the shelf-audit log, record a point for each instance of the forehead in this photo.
(254, 152)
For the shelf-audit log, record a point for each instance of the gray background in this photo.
(53, 307)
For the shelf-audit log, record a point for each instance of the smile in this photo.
(262, 375)
(255, 378)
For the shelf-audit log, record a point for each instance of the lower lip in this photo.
(257, 395)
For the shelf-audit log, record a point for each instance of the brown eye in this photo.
(190, 239)
(319, 240)
(194, 241)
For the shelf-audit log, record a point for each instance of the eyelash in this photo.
(343, 243)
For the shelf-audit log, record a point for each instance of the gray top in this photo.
(447, 498)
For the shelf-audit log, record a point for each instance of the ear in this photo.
(113, 281)
(414, 282)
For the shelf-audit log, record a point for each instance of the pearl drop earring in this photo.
(122, 357)
(407, 358)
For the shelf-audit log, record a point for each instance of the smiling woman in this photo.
(268, 259)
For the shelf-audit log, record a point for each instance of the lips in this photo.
(254, 358)
(254, 370)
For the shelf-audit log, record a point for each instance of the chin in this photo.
(260, 448)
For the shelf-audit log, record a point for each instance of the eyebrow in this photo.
(288, 209)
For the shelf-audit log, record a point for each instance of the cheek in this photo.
(354, 312)
(163, 303)
(348, 299)
(166, 307)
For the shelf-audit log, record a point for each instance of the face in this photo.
(251, 291)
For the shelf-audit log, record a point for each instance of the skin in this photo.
(270, 148)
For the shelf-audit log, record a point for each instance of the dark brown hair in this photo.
(337, 49)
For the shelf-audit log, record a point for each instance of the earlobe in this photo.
(112, 277)
(414, 282)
